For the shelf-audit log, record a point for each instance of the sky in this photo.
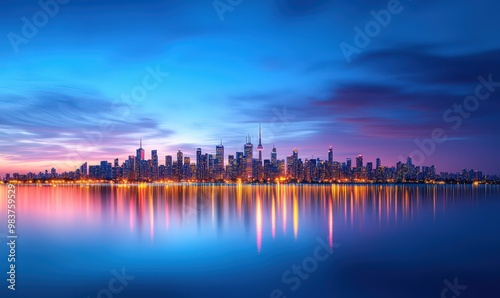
(85, 80)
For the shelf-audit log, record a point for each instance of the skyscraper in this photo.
(83, 169)
(377, 163)
(248, 151)
(138, 160)
(369, 170)
(131, 172)
(329, 164)
(168, 166)
(140, 152)
(240, 165)
(186, 168)
(199, 174)
(179, 164)
(359, 161)
(274, 157)
(349, 163)
(154, 159)
(295, 163)
(219, 155)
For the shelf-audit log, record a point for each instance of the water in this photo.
(246, 241)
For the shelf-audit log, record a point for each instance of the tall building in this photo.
(83, 169)
(131, 172)
(378, 163)
(329, 164)
(94, 171)
(219, 155)
(168, 166)
(248, 151)
(231, 168)
(179, 164)
(211, 165)
(240, 165)
(140, 152)
(105, 170)
(139, 157)
(359, 161)
(274, 157)
(154, 166)
(369, 170)
(186, 168)
(199, 174)
(295, 164)
(289, 166)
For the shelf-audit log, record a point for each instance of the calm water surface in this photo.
(255, 241)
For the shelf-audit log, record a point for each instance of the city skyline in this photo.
(256, 151)
(247, 166)
(185, 76)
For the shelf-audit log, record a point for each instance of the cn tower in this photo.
(260, 147)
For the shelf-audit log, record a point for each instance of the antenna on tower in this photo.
(260, 134)
(140, 144)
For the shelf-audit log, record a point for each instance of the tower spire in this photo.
(260, 134)
(260, 147)
(140, 143)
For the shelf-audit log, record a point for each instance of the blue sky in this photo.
(278, 63)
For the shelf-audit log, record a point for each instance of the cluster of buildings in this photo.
(246, 167)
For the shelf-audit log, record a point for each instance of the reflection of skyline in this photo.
(194, 212)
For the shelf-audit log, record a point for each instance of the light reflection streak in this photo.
(258, 224)
(295, 216)
(330, 224)
(273, 217)
(151, 218)
(283, 200)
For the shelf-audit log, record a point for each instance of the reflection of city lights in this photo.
(273, 218)
(258, 223)
(295, 216)
(284, 213)
(330, 223)
(140, 209)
